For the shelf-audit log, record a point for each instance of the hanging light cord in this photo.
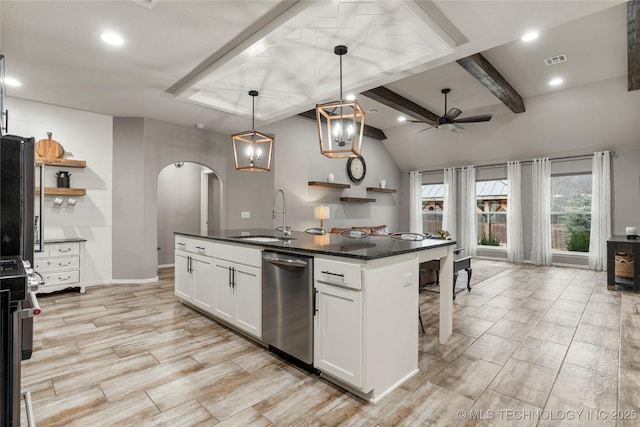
(340, 78)
(253, 113)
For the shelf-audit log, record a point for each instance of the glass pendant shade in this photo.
(252, 149)
(340, 123)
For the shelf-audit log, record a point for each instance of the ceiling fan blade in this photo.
(418, 121)
(452, 114)
(474, 119)
(422, 130)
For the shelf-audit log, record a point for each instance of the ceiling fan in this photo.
(450, 121)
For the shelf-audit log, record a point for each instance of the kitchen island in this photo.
(365, 320)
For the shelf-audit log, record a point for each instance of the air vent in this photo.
(556, 59)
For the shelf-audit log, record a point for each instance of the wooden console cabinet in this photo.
(622, 244)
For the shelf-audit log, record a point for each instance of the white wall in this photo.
(89, 137)
(298, 161)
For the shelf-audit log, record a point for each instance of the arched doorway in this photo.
(189, 197)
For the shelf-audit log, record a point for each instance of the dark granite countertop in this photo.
(371, 247)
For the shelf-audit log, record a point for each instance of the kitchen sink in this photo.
(262, 239)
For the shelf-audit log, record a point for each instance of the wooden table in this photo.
(622, 244)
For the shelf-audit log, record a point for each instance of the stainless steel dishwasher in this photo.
(287, 304)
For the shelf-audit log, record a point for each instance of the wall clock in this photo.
(356, 169)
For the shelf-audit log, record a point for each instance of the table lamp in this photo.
(321, 213)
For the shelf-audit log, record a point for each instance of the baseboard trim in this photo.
(133, 281)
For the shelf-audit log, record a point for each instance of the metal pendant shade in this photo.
(340, 123)
(252, 149)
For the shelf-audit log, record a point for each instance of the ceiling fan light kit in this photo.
(340, 124)
(450, 120)
(252, 149)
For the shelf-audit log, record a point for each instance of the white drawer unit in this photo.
(48, 265)
(59, 265)
(196, 246)
(338, 273)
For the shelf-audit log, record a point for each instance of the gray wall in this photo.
(178, 206)
(298, 161)
(141, 149)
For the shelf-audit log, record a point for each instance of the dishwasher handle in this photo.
(285, 262)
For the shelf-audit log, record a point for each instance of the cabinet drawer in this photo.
(64, 249)
(61, 278)
(338, 273)
(57, 264)
(43, 254)
(240, 254)
(197, 246)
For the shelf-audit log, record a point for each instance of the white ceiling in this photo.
(53, 47)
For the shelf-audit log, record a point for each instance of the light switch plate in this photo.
(245, 214)
(408, 279)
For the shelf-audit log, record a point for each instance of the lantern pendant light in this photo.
(340, 123)
(252, 149)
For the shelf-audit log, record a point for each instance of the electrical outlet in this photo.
(245, 214)
(408, 279)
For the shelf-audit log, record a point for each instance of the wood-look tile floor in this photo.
(528, 343)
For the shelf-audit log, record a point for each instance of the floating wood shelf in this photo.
(47, 161)
(328, 184)
(56, 191)
(381, 190)
(357, 199)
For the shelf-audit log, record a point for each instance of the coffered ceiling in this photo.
(191, 62)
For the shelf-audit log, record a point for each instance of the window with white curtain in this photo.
(492, 212)
(432, 207)
(570, 212)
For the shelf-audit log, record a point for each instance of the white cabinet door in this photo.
(338, 333)
(203, 282)
(248, 299)
(183, 279)
(224, 296)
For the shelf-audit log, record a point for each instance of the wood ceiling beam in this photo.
(369, 131)
(633, 44)
(478, 66)
(391, 99)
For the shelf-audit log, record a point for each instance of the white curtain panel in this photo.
(468, 229)
(600, 210)
(515, 251)
(449, 215)
(415, 202)
(541, 221)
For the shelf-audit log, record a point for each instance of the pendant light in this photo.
(252, 149)
(340, 123)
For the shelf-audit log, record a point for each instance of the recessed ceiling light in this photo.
(10, 81)
(351, 97)
(402, 119)
(555, 81)
(530, 36)
(112, 38)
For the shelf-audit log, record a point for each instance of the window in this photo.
(491, 199)
(570, 212)
(432, 202)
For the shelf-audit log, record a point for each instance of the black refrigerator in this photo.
(17, 185)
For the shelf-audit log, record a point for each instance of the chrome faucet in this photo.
(286, 231)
